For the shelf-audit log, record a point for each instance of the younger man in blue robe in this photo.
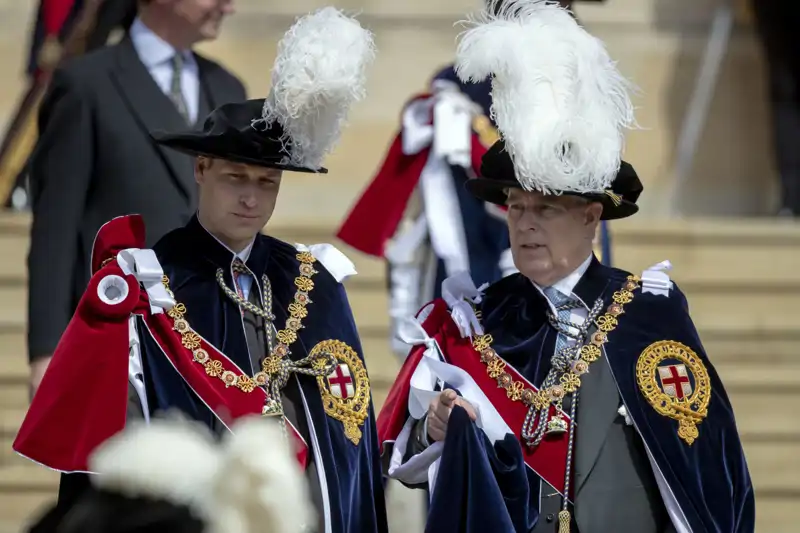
(570, 397)
(219, 321)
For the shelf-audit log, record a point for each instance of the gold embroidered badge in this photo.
(679, 389)
(345, 390)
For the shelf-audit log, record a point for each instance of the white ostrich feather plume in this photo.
(170, 459)
(251, 483)
(558, 99)
(320, 71)
(262, 488)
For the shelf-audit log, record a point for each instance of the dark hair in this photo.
(99, 511)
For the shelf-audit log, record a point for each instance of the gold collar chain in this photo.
(570, 380)
(274, 364)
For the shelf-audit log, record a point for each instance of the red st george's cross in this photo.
(341, 382)
(675, 381)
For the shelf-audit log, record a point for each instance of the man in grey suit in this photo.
(95, 159)
(571, 396)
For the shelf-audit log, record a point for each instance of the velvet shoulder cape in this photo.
(653, 349)
(83, 397)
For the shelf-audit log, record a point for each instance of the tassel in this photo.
(563, 521)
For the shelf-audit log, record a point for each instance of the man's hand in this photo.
(38, 368)
(439, 413)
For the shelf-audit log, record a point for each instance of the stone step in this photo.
(755, 310)
(764, 397)
(779, 515)
(725, 346)
(14, 395)
(14, 308)
(764, 410)
(701, 250)
(745, 372)
(771, 462)
(25, 489)
(734, 254)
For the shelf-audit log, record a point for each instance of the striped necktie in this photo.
(176, 87)
(559, 300)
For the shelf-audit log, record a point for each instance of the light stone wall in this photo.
(659, 44)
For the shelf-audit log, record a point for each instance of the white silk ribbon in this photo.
(423, 382)
(334, 261)
(144, 266)
(655, 279)
(458, 291)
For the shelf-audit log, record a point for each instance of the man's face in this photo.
(550, 235)
(201, 19)
(236, 200)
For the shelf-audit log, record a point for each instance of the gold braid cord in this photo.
(570, 381)
(273, 365)
(688, 405)
(563, 521)
(352, 410)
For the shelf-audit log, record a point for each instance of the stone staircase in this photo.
(743, 288)
(740, 275)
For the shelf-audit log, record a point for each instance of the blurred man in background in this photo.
(777, 22)
(62, 29)
(95, 159)
(56, 20)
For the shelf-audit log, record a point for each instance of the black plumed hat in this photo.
(498, 175)
(560, 105)
(319, 72)
(233, 132)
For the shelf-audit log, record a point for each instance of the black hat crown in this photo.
(498, 175)
(237, 133)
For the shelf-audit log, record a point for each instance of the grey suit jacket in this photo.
(615, 487)
(95, 161)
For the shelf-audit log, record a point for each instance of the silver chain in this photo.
(533, 429)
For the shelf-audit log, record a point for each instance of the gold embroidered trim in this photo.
(616, 199)
(352, 412)
(487, 133)
(570, 381)
(271, 364)
(689, 409)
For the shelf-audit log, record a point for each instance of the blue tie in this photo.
(559, 299)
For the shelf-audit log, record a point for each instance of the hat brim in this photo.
(203, 145)
(494, 191)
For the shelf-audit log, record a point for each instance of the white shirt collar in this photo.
(566, 285)
(244, 255)
(152, 49)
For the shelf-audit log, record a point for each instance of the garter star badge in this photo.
(675, 382)
(345, 390)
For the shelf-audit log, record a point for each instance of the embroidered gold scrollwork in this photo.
(674, 396)
(570, 381)
(346, 391)
(487, 133)
(515, 390)
(496, 367)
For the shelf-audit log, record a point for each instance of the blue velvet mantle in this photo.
(190, 257)
(709, 478)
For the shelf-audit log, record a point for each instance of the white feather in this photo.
(262, 489)
(249, 484)
(320, 71)
(558, 99)
(174, 460)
